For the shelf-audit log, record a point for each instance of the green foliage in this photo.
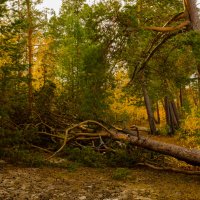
(10, 138)
(81, 61)
(86, 156)
(190, 128)
(120, 158)
(14, 59)
(121, 174)
(71, 167)
(14, 149)
(44, 98)
(86, 46)
(123, 158)
(24, 157)
(93, 83)
(164, 131)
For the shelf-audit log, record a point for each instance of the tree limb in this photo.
(75, 126)
(168, 29)
(169, 169)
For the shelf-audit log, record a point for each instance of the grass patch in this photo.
(121, 174)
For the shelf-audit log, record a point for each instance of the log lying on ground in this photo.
(190, 156)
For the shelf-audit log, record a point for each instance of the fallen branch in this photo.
(75, 126)
(169, 169)
(191, 156)
(40, 148)
(50, 134)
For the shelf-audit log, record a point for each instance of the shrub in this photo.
(86, 156)
(190, 128)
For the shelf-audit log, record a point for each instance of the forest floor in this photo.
(83, 183)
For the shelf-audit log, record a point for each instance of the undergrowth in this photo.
(121, 174)
(190, 129)
(15, 149)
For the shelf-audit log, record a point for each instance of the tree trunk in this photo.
(167, 111)
(149, 110)
(181, 97)
(175, 111)
(30, 55)
(158, 113)
(190, 156)
(192, 13)
(172, 119)
(198, 77)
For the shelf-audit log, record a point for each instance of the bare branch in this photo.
(168, 29)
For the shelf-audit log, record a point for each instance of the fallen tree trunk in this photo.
(190, 156)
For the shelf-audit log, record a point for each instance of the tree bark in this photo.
(176, 115)
(198, 77)
(172, 120)
(158, 113)
(192, 13)
(149, 110)
(167, 111)
(181, 97)
(190, 156)
(30, 55)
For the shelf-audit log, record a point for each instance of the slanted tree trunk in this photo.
(149, 109)
(172, 117)
(176, 115)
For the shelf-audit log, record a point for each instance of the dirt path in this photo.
(95, 184)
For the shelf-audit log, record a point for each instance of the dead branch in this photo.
(84, 138)
(40, 148)
(191, 156)
(168, 29)
(52, 135)
(171, 169)
(101, 134)
(75, 126)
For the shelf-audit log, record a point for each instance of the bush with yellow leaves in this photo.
(191, 127)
